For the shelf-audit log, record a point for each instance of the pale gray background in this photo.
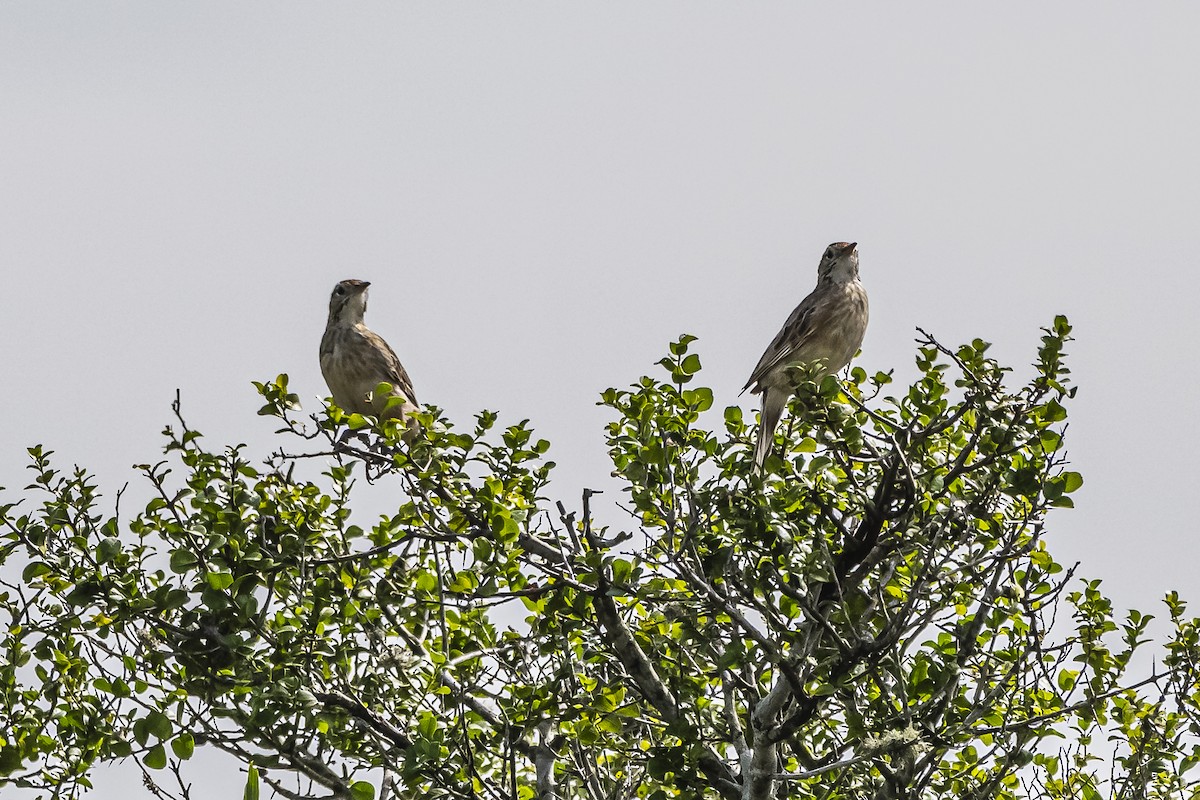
(544, 195)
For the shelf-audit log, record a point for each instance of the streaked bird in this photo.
(355, 359)
(821, 335)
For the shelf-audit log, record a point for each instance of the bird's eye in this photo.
(829, 253)
(340, 290)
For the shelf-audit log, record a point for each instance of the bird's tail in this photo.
(774, 402)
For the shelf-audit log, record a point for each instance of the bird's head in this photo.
(839, 264)
(348, 302)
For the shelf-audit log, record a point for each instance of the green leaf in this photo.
(680, 347)
(35, 569)
(108, 549)
(700, 399)
(1050, 441)
(159, 725)
(183, 746)
(361, 790)
(156, 758)
(251, 792)
(1053, 412)
(182, 560)
(10, 760)
(219, 580)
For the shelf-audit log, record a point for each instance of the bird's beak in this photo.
(852, 247)
(365, 284)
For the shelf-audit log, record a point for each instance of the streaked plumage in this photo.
(355, 359)
(827, 327)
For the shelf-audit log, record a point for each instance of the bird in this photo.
(822, 334)
(355, 359)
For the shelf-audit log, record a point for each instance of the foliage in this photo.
(875, 616)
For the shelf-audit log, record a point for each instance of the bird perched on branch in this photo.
(822, 335)
(355, 359)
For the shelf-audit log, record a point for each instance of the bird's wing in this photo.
(388, 364)
(798, 328)
(327, 342)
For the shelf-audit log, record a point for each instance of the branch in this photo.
(640, 669)
(543, 761)
(1079, 706)
(758, 780)
(360, 712)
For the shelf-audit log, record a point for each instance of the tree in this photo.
(875, 616)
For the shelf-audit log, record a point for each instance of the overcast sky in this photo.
(544, 194)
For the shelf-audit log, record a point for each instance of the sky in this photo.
(543, 195)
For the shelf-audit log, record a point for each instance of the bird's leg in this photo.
(340, 444)
(344, 441)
